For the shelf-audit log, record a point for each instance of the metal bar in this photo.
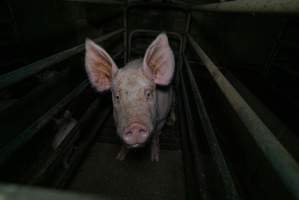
(119, 53)
(288, 138)
(31, 69)
(193, 142)
(282, 162)
(191, 188)
(28, 133)
(125, 21)
(252, 6)
(110, 2)
(35, 175)
(66, 144)
(230, 188)
(159, 5)
(78, 154)
(186, 31)
(275, 49)
(153, 32)
(17, 192)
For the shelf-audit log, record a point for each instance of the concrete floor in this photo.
(135, 178)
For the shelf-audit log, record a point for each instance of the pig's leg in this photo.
(155, 148)
(122, 153)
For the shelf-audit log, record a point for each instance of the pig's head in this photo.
(133, 87)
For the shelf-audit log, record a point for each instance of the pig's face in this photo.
(133, 87)
(134, 104)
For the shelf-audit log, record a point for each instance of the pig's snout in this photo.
(135, 135)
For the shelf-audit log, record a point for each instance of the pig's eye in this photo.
(117, 98)
(148, 94)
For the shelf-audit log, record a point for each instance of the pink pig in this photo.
(140, 104)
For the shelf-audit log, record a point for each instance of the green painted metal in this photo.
(253, 6)
(17, 192)
(31, 69)
(283, 163)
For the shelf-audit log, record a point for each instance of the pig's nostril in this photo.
(142, 131)
(129, 132)
(135, 131)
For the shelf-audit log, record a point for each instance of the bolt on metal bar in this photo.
(252, 6)
(282, 162)
(31, 69)
(230, 188)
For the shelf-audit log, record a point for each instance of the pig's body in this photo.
(141, 92)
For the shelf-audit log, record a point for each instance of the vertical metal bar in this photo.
(13, 21)
(186, 31)
(275, 49)
(191, 141)
(230, 188)
(125, 21)
(282, 162)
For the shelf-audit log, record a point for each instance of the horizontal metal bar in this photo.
(163, 5)
(252, 6)
(67, 143)
(159, 5)
(17, 192)
(11, 147)
(282, 162)
(230, 188)
(153, 33)
(31, 69)
(110, 2)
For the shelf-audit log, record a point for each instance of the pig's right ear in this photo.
(99, 66)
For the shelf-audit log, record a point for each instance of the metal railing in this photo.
(40, 65)
(283, 163)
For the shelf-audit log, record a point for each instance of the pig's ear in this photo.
(99, 66)
(158, 63)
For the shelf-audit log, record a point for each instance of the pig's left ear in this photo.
(99, 65)
(158, 63)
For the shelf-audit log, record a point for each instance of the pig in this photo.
(142, 94)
